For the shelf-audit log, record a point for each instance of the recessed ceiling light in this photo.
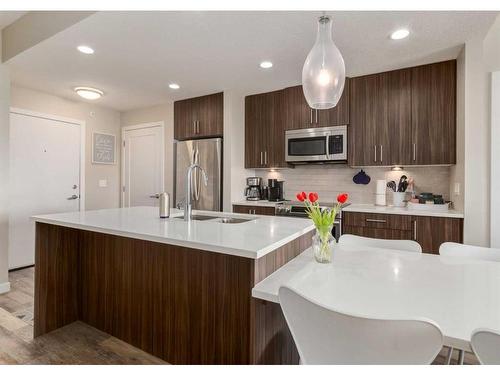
(89, 93)
(266, 64)
(85, 49)
(400, 34)
(174, 86)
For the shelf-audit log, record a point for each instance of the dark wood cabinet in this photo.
(429, 232)
(403, 117)
(264, 131)
(433, 113)
(253, 210)
(300, 116)
(200, 117)
(380, 128)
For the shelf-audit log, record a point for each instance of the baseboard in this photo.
(4, 287)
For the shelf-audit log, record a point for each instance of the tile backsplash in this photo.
(331, 179)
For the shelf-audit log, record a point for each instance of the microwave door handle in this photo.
(328, 147)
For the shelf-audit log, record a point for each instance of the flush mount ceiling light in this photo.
(174, 86)
(400, 34)
(89, 93)
(85, 49)
(323, 74)
(266, 64)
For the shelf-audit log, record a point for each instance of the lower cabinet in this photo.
(429, 232)
(253, 210)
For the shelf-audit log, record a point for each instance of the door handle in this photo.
(311, 111)
(415, 230)
(197, 127)
(265, 157)
(414, 151)
(261, 158)
(73, 197)
(375, 148)
(316, 116)
(381, 148)
(375, 221)
(328, 147)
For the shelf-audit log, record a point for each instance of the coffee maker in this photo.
(253, 191)
(275, 190)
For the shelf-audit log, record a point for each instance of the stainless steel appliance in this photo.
(298, 209)
(253, 191)
(207, 153)
(275, 190)
(327, 145)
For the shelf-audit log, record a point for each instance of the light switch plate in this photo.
(103, 183)
(457, 188)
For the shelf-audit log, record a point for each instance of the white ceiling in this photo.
(6, 17)
(138, 53)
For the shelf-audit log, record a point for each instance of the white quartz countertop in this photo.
(261, 203)
(391, 210)
(457, 293)
(252, 239)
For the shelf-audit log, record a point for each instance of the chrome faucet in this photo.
(188, 207)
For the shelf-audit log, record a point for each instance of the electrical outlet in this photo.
(457, 188)
(103, 183)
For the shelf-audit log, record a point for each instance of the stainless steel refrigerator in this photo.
(208, 154)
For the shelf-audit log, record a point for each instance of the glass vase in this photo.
(322, 244)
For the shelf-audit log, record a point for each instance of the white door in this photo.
(44, 178)
(143, 161)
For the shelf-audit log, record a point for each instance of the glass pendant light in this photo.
(323, 75)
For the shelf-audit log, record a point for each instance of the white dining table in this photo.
(458, 294)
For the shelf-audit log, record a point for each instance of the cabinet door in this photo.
(253, 138)
(298, 113)
(431, 232)
(365, 115)
(433, 108)
(243, 209)
(276, 140)
(259, 210)
(339, 115)
(184, 126)
(210, 115)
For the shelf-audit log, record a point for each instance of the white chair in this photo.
(403, 245)
(324, 336)
(468, 251)
(486, 345)
(452, 249)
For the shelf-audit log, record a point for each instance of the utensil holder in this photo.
(398, 199)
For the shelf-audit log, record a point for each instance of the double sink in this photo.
(217, 219)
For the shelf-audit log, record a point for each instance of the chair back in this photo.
(468, 251)
(324, 336)
(403, 245)
(486, 345)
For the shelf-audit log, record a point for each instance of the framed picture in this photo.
(103, 148)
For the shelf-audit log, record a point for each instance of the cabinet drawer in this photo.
(381, 233)
(380, 221)
(253, 210)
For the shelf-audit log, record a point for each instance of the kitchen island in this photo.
(178, 290)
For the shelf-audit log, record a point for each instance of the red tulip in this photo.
(301, 196)
(342, 198)
(313, 197)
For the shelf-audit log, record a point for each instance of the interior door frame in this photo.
(145, 125)
(68, 120)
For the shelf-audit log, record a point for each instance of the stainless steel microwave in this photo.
(316, 145)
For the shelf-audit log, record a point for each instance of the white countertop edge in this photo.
(182, 243)
(390, 210)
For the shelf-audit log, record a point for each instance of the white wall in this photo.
(96, 119)
(165, 113)
(495, 160)
(4, 176)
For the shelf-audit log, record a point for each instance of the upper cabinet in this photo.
(380, 129)
(433, 113)
(298, 114)
(404, 117)
(200, 117)
(264, 130)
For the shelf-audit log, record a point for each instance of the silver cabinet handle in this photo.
(375, 148)
(197, 127)
(74, 196)
(381, 148)
(328, 146)
(376, 221)
(194, 127)
(415, 230)
(265, 157)
(316, 116)
(414, 151)
(261, 158)
(311, 111)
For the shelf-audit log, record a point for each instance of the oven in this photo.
(327, 145)
(298, 209)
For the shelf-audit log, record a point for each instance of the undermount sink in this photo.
(233, 220)
(198, 217)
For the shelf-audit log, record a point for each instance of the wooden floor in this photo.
(76, 343)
